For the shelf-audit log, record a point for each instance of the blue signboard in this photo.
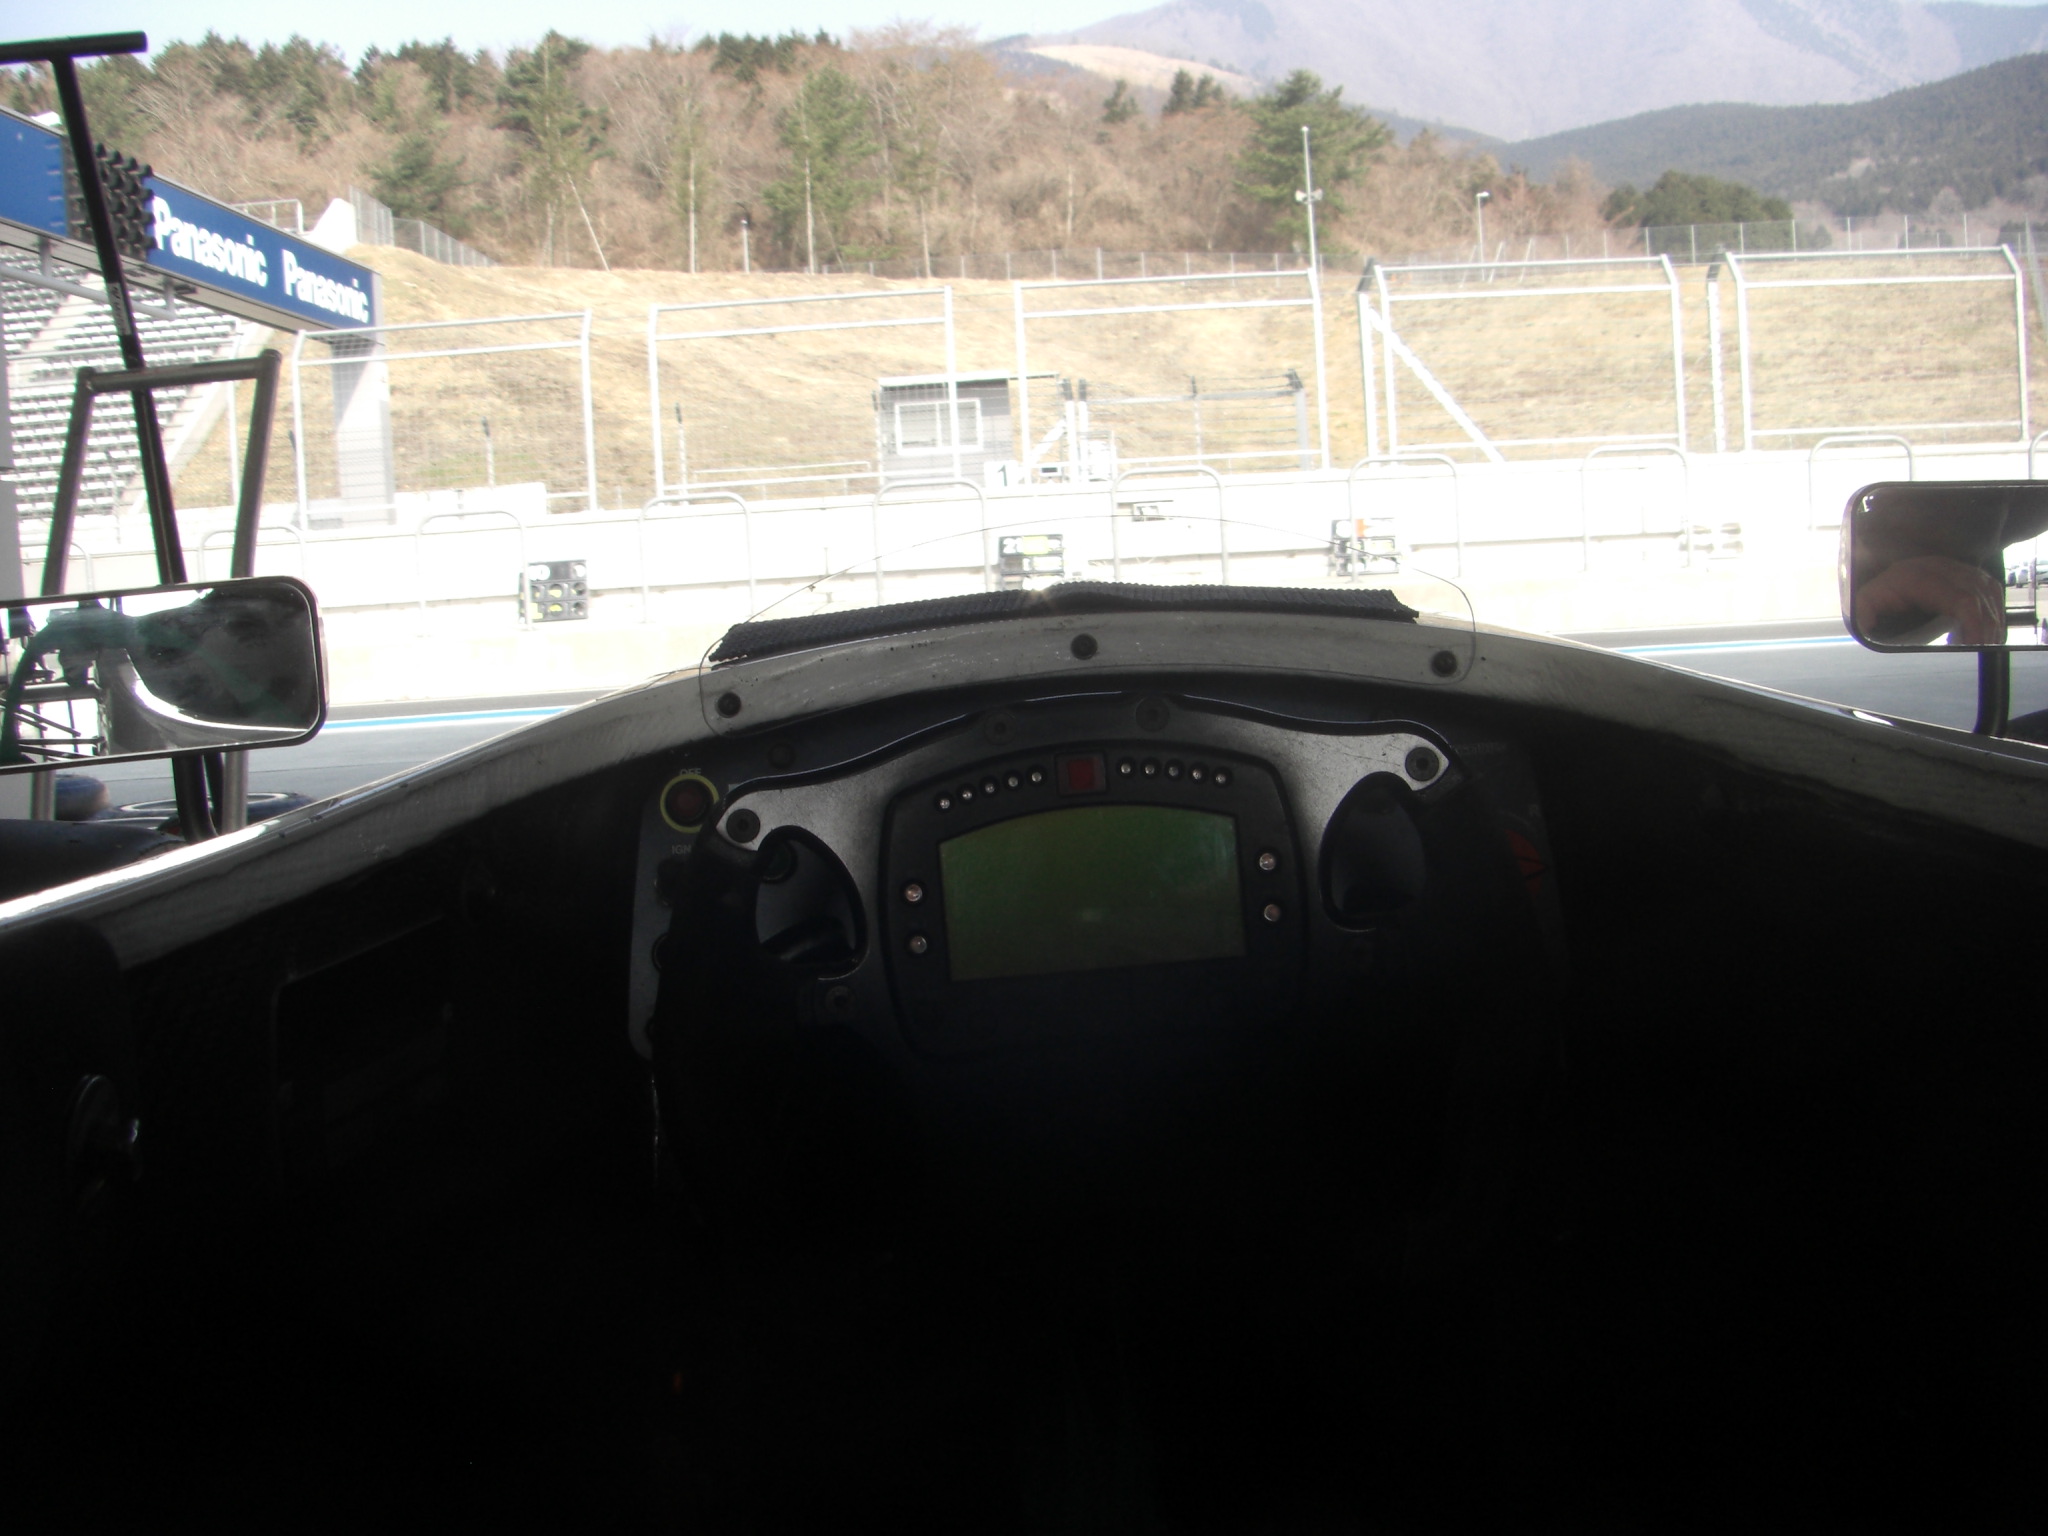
(31, 176)
(195, 237)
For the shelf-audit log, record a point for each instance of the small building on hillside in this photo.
(912, 438)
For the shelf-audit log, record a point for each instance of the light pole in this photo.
(746, 252)
(1479, 213)
(1308, 197)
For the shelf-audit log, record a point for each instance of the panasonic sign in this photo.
(191, 236)
(240, 264)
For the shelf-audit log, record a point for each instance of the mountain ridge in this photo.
(1521, 69)
(1982, 134)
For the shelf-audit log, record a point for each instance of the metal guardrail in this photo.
(419, 535)
(1397, 460)
(206, 543)
(1116, 553)
(875, 522)
(691, 498)
(1745, 283)
(1853, 440)
(1643, 527)
(2031, 446)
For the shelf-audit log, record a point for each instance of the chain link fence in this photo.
(1213, 370)
(376, 224)
(1527, 355)
(814, 394)
(441, 405)
(1079, 263)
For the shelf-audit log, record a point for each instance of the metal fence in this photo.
(811, 393)
(287, 213)
(1071, 264)
(1511, 356)
(1850, 335)
(441, 405)
(376, 224)
(1695, 243)
(1171, 332)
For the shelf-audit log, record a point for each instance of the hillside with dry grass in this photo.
(1528, 368)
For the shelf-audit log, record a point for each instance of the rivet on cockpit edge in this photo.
(728, 704)
(1423, 764)
(1443, 664)
(1083, 647)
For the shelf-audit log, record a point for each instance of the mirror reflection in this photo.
(109, 675)
(1950, 564)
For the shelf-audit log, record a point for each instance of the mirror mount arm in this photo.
(1994, 692)
(198, 816)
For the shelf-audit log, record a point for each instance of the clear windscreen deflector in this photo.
(949, 556)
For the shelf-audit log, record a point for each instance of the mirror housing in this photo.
(203, 667)
(1948, 565)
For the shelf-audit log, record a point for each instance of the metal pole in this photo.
(1365, 367)
(1994, 692)
(654, 401)
(1714, 357)
(1742, 353)
(953, 385)
(299, 432)
(156, 477)
(875, 527)
(1309, 195)
(1379, 277)
(2019, 330)
(589, 425)
(1023, 384)
(70, 469)
(1677, 347)
(255, 463)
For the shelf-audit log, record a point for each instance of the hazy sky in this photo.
(355, 25)
(358, 24)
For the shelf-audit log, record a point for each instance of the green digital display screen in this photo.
(1090, 888)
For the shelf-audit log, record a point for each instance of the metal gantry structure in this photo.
(212, 787)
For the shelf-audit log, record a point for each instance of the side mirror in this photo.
(1948, 564)
(207, 667)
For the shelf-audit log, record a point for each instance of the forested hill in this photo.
(910, 145)
(1982, 133)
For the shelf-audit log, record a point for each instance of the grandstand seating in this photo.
(48, 338)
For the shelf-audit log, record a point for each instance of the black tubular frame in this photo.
(260, 370)
(190, 773)
(1994, 692)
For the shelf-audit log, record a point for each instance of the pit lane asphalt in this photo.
(366, 742)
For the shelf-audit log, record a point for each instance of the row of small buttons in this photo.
(991, 785)
(1172, 769)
